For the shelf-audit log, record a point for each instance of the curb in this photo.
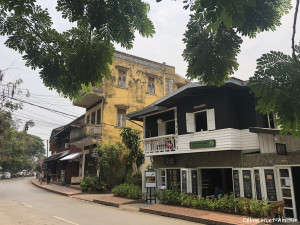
(106, 203)
(182, 217)
(57, 192)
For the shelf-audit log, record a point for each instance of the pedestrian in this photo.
(48, 177)
(41, 177)
(219, 192)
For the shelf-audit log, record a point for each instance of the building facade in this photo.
(202, 137)
(134, 83)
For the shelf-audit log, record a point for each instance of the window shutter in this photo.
(211, 124)
(190, 123)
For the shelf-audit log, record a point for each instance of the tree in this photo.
(130, 138)
(112, 163)
(18, 150)
(213, 40)
(80, 57)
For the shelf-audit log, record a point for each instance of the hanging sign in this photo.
(150, 176)
(202, 144)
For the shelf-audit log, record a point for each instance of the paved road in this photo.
(23, 203)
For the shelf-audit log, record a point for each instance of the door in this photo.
(236, 183)
(287, 192)
(247, 183)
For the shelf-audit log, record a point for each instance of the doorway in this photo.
(296, 181)
(212, 178)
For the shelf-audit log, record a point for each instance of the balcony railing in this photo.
(160, 144)
(92, 131)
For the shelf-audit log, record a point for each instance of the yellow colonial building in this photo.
(134, 83)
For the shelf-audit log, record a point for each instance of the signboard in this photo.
(236, 183)
(95, 155)
(270, 185)
(202, 144)
(150, 176)
(247, 183)
(281, 149)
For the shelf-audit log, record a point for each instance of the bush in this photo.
(91, 182)
(135, 179)
(128, 191)
(227, 204)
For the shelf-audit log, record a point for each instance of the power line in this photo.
(46, 108)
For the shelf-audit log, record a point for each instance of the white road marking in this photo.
(26, 205)
(68, 221)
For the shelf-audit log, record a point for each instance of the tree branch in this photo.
(294, 31)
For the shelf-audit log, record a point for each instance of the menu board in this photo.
(150, 176)
(270, 185)
(247, 183)
(236, 183)
(257, 184)
(183, 180)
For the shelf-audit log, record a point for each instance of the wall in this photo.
(207, 159)
(134, 97)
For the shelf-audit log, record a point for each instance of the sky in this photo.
(170, 21)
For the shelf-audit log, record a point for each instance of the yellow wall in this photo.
(134, 97)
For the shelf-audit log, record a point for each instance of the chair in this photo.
(277, 209)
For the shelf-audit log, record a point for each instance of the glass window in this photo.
(173, 178)
(151, 85)
(98, 116)
(93, 118)
(169, 86)
(121, 119)
(122, 78)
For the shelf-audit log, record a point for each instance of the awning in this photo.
(56, 156)
(71, 156)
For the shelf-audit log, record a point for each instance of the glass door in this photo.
(184, 179)
(287, 192)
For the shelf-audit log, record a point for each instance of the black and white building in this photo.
(203, 137)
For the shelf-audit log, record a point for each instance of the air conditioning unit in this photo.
(67, 145)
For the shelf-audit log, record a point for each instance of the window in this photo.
(169, 86)
(200, 121)
(173, 177)
(93, 118)
(122, 78)
(271, 121)
(121, 119)
(88, 119)
(98, 116)
(151, 85)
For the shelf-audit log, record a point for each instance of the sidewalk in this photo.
(193, 215)
(62, 190)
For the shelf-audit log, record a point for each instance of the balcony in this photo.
(86, 135)
(161, 144)
(205, 141)
(91, 98)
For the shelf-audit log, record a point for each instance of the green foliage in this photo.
(78, 57)
(276, 84)
(213, 33)
(227, 204)
(18, 150)
(91, 182)
(112, 164)
(130, 138)
(128, 191)
(134, 178)
(211, 57)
